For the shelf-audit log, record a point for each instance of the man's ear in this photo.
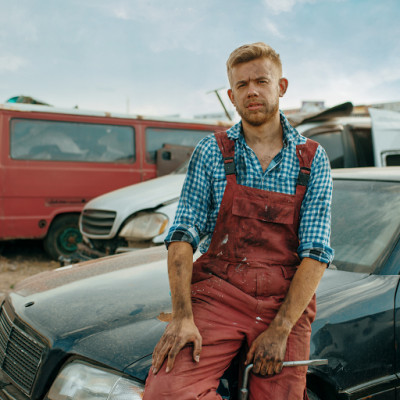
(231, 97)
(283, 85)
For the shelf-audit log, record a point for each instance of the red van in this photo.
(52, 161)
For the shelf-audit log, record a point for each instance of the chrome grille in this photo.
(20, 354)
(97, 222)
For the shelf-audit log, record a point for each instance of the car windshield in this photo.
(365, 222)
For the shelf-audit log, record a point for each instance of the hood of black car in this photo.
(111, 310)
(334, 279)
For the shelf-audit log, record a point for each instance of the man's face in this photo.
(255, 90)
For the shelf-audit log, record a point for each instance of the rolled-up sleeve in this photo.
(194, 203)
(315, 222)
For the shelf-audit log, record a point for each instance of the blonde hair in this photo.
(250, 52)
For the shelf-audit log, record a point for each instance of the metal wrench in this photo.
(244, 392)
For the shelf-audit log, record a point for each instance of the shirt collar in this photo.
(289, 133)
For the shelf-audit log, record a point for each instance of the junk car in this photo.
(88, 330)
(134, 217)
(352, 140)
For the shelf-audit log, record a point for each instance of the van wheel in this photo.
(63, 236)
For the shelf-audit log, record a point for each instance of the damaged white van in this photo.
(355, 141)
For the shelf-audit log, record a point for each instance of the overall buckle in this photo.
(229, 165)
(304, 176)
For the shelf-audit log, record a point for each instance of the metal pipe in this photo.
(244, 392)
(221, 101)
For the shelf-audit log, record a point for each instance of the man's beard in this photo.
(259, 118)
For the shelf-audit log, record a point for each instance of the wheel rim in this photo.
(69, 239)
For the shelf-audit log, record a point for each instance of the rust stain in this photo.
(165, 317)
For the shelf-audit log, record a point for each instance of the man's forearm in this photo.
(182, 329)
(180, 267)
(301, 291)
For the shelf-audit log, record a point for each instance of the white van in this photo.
(355, 141)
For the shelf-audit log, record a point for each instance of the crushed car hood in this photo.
(144, 195)
(111, 310)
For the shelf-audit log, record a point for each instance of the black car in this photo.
(88, 331)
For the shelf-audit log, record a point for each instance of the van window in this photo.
(363, 147)
(71, 141)
(156, 138)
(393, 160)
(332, 143)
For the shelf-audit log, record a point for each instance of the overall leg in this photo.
(290, 384)
(218, 315)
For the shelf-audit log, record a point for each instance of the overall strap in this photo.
(305, 153)
(227, 148)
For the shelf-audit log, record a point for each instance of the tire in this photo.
(63, 236)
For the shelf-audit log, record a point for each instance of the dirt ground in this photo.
(21, 259)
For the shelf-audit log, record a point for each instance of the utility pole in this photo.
(220, 100)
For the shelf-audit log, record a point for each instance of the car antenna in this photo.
(220, 100)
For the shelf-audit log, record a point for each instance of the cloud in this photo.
(272, 29)
(17, 23)
(279, 6)
(10, 63)
(175, 24)
(327, 80)
(135, 12)
(121, 12)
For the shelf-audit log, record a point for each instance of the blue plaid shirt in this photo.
(205, 183)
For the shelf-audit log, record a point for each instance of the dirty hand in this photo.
(267, 352)
(178, 333)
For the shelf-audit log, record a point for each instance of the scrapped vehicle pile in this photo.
(139, 216)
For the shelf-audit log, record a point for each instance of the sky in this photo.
(165, 57)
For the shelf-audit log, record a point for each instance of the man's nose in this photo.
(252, 90)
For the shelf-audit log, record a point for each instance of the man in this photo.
(259, 195)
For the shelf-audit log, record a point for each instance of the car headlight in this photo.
(145, 226)
(79, 381)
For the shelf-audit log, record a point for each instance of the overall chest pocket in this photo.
(278, 210)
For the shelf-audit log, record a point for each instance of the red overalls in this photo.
(238, 286)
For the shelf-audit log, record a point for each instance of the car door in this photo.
(386, 136)
(393, 267)
(356, 325)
